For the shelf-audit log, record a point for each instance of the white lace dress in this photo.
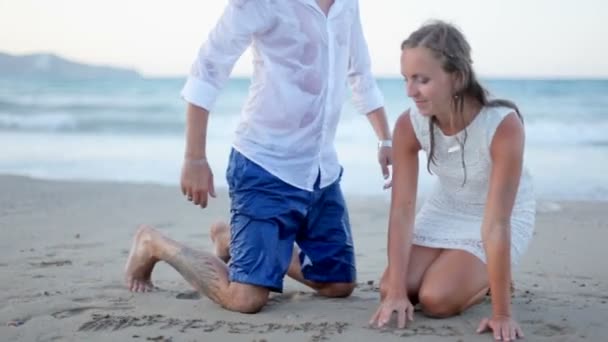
(452, 214)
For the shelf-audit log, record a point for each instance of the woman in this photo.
(478, 220)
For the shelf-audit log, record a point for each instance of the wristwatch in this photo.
(385, 143)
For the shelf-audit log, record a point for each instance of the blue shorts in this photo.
(269, 215)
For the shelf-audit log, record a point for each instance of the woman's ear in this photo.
(458, 82)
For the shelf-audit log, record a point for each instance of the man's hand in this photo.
(385, 158)
(197, 181)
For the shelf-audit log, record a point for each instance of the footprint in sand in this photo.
(551, 330)
(188, 295)
(545, 329)
(76, 246)
(83, 299)
(71, 312)
(160, 338)
(76, 311)
(423, 330)
(426, 330)
(295, 296)
(56, 263)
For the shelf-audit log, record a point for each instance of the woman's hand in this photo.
(504, 328)
(390, 304)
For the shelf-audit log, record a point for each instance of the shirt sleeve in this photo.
(365, 93)
(227, 41)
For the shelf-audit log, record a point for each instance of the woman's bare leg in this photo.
(455, 281)
(420, 259)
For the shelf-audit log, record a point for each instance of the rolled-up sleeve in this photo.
(232, 34)
(366, 95)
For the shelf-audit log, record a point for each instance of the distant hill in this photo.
(43, 65)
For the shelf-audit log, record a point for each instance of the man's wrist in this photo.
(385, 143)
(197, 161)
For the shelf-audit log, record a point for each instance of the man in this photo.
(283, 173)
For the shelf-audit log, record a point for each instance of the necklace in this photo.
(456, 146)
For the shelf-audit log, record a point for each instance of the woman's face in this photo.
(427, 83)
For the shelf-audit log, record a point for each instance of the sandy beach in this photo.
(64, 245)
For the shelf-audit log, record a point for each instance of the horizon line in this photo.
(377, 76)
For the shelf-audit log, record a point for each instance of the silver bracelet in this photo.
(202, 161)
(385, 143)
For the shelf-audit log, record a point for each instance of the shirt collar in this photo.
(335, 9)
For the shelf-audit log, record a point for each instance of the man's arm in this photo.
(197, 177)
(367, 98)
(377, 119)
(196, 133)
(227, 41)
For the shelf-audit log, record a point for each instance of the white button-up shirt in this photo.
(302, 60)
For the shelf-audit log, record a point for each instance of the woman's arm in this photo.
(506, 151)
(401, 222)
(403, 202)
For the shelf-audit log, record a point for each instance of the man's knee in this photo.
(337, 290)
(245, 298)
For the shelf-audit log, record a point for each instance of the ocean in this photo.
(132, 130)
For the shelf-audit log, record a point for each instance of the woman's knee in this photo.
(437, 303)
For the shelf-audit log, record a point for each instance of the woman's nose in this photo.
(411, 89)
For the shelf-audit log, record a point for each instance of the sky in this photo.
(510, 38)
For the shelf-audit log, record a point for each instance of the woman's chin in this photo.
(423, 110)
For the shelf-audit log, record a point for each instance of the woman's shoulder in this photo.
(419, 121)
(499, 116)
(498, 112)
(406, 130)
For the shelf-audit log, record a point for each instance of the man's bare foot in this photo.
(220, 236)
(141, 260)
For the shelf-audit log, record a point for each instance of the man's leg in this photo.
(326, 240)
(204, 271)
(326, 261)
(220, 235)
(329, 289)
